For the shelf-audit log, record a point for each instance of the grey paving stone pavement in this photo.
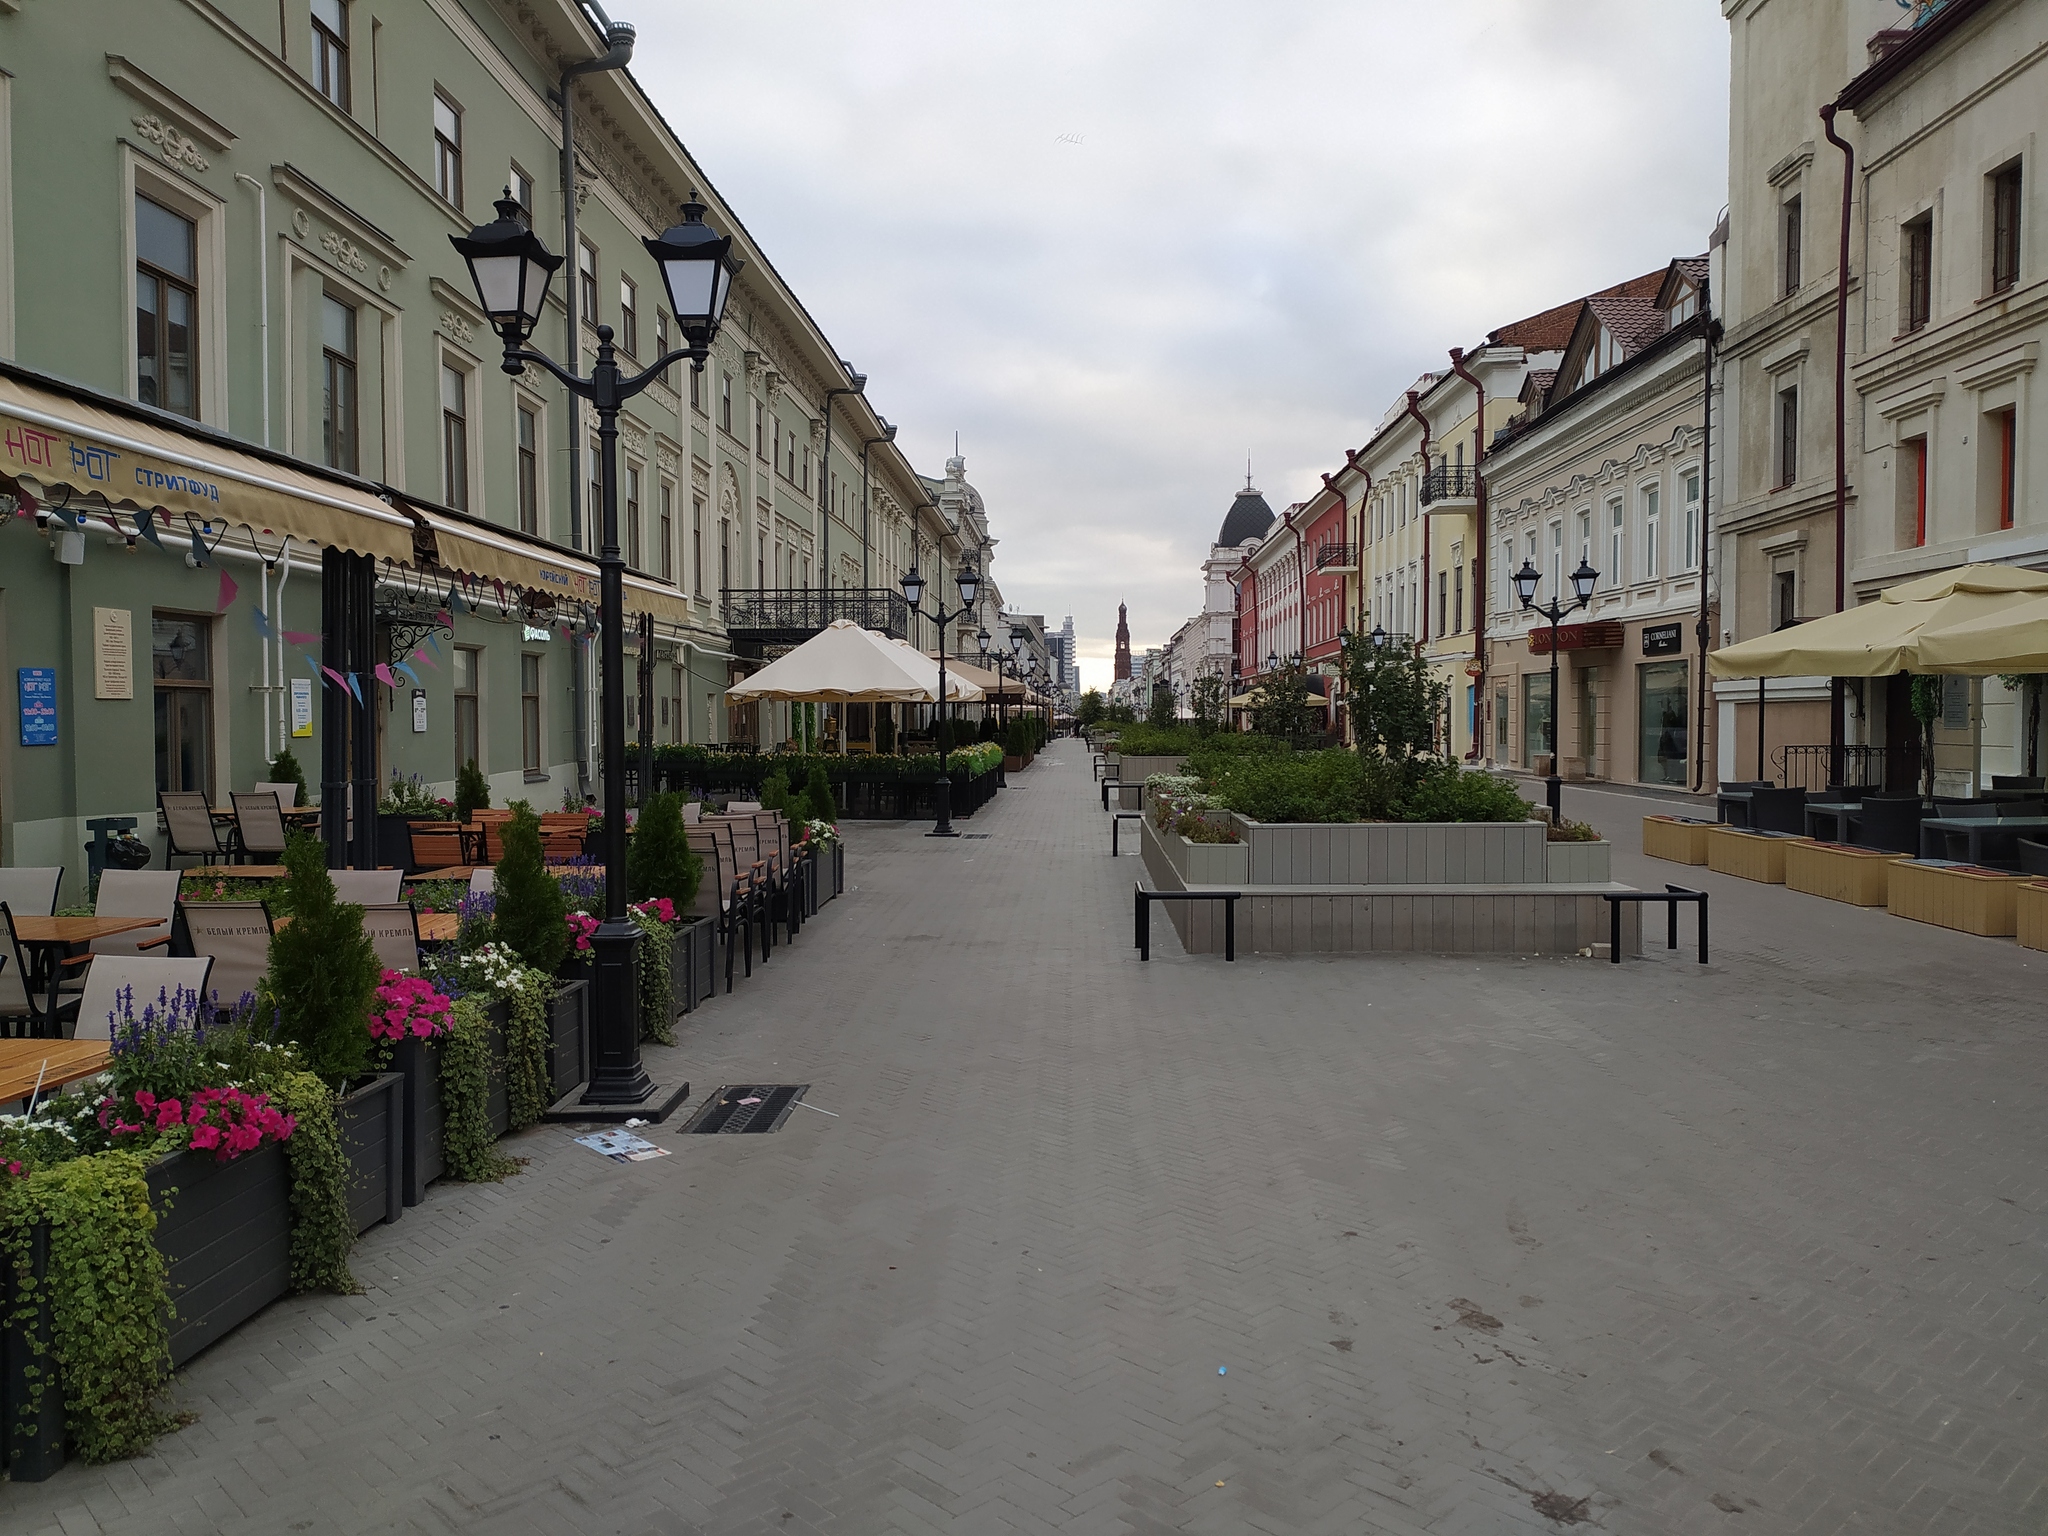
(1389, 1244)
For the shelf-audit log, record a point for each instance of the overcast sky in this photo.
(1119, 245)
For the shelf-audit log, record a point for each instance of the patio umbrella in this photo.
(1879, 638)
(846, 664)
(2012, 639)
(958, 689)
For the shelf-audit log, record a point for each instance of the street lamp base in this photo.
(662, 1101)
(942, 832)
(1554, 792)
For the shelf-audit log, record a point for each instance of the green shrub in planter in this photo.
(323, 971)
(1456, 794)
(472, 790)
(819, 805)
(531, 909)
(1017, 740)
(775, 792)
(659, 859)
(285, 769)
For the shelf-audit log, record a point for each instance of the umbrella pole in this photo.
(1760, 730)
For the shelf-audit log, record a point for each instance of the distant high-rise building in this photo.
(1070, 665)
(1123, 645)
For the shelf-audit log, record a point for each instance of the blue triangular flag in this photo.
(145, 525)
(399, 666)
(198, 548)
(262, 624)
(355, 687)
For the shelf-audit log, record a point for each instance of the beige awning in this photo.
(846, 664)
(1879, 638)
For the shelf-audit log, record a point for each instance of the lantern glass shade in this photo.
(1343, 634)
(913, 587)
(1525, 583)
(969, 585)
(697, 269)
(511, 270)
(1272, 661)
(1583, 579)
(982, 640)
(1016, 642)
(1379, 636)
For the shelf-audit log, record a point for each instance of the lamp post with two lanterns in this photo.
(913, 594)
(1526, 580)
(512, 269)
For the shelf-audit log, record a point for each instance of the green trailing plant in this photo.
(472, 790)
(659, 859)
(323, 971)
(323, 1228)
(531, 908)
(657, 987)
(285, 769)
(104, 1280)
(819, 804)
(468, 1144)
(528, 1088)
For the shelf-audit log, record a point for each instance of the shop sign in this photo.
(38, 706)
(302, 706)
(1663, 639)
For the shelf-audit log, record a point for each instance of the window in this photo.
(166, 308)
(697, 390)
(1652, 500)
(1793, 227)
(529, 469)
(1787, 597)
(468, 685)
(760, 431)
(1913, 492)
(2005, 438)
(697, 542)
(661, 349)
(586, 281)
(1507, 575)
(521, 187)
(1457, 594)
(181, 662)
(666, 534)
(1557, 588)
(1661, 706)
(2005, 228)
(330, 51)
(724, 554)
(629, 316)
(761, 561)
(1917, 267)
(1788, 436)
(1535, 716)
(633, 551)
(447, 149)
(725, 402)
(529, 714)
(338, 383)
(1443, 602)
(454, 438)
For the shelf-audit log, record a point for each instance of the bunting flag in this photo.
(339, 681)
(228, 589)
(301, 637)
(435, 641)
(502, 604)
(145, 526)
(422, 656)
(355, 687)
(262, 624)
(198, 548)
(386, 676)
(444, 617)
(399, 666)
(26, 505)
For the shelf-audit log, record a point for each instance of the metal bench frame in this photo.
(1116, 825)
(1107, 786)
(1671, 896)
(1145, 899)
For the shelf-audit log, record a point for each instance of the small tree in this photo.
(775, 792)
(285, 769)
(1395, 701)
(819, 802)
(1210, 698)
(323, 971)
(1090, 709)
(1161, 711)
(1927, 693)
(1283, 709)
(472, 790)
(659, 858)
(531, 910)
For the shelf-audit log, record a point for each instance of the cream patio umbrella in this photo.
(2012, 639)
(1891, 634)
(845, 664)
(959, 690)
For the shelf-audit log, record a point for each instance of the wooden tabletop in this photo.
(57, 1061)
(439, 927)
(238, 871)
(77, 930)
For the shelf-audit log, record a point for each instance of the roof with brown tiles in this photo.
(1549, 330)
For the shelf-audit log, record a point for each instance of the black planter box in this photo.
(418, 1065)
(694, 968)
(394, 843)
(569, 1036)
(225, 1231)
(371, 1119)
(31, 1431)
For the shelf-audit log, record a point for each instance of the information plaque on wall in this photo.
(113, 653)
(38, 706)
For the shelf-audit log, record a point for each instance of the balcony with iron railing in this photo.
(1336, 557)
(788, 615)
(1450, 482)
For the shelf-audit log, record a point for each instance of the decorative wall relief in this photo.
(175, 148)
(343, 254)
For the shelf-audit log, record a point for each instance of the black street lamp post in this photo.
(1555, 611)
(913, 596)
(512, 269)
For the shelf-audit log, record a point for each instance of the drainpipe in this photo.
(1414, 411)
(860, 382)
(1364, 499)
(1479, 545)
(1838, 725)
(888, 436)
(1710, 331)
(262, 291)
(1300, 591)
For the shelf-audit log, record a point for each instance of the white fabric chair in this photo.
(235, 935)
(394, 931)
(149, 979)
(368, 887)
(483, 881)
(137, 893)
(737, 807)
(32, 892)
(692, 809)
(287, 794)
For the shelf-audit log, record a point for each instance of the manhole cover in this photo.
(746, 1109)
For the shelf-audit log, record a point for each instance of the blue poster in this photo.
(38, 706)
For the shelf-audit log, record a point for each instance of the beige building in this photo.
(1943, 431)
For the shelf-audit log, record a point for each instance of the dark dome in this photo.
(1249, 518)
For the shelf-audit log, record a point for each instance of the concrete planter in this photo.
(1859, 876)
(569, 1036)
(418, 1064)
(2030, 914)
(371, 1119)
(1136, 770)
(1678, 838)
(225, 1231)
(1958, 896)
(1396, 853)
(1579, 863)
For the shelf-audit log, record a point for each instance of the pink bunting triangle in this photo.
(228, 589)
(301, 637)
(386, 676)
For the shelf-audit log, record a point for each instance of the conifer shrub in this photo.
(323, 971)
(472, 790)
(285, 769)
(819, 804)
(531, 911)
(659, 858)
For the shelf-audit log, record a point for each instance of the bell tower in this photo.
(1123, 645)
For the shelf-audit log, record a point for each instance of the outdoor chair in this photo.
(31, 890)
(436, 844)
(188, 820)
(287, 794)
(774, 828)
(729, 896)
(367, 887)
(1893, 825)
(2033, 857)
(1772, 809)
(394, 930)
(258, 837)
(692, 809)
(487, 831)
(760, 858)
(136, 893)
(235, 935)
(741, 807)
(483, 882)
(561, 835)
(148, 980)
(19, 1009)
(2009, 808)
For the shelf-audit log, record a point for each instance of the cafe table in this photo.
(1935, 831)
(52, 1062)
(46, 939)
(1839, 814)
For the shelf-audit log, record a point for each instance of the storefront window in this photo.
(469, 667)
(1661, 704)
(182, 666)
(1503, 736)
(1535, 715)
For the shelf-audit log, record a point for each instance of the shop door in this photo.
(1662, 741)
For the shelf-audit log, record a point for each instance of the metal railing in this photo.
(1328, 555)
(806, 610)
(1449, 482)
(1806, 767)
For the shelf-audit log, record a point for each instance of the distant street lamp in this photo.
(913, 595)
(511, 270)
(1555, 610)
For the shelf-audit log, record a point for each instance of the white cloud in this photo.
(1275, 216)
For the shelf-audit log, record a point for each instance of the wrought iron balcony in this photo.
(790, 615)
(1338, 557)
(1450, 482)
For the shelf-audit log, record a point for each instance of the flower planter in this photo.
(1859, 876)
(569, 1037)
(2030, 914)
(1758, 856)
(694, 967)
(225, 1231)
(418, 1064)
(593, 845)
(31, 1427)
(838, 887)
(1677, 838)
(371, 1119)
(1958, 896)
(1012, 764)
